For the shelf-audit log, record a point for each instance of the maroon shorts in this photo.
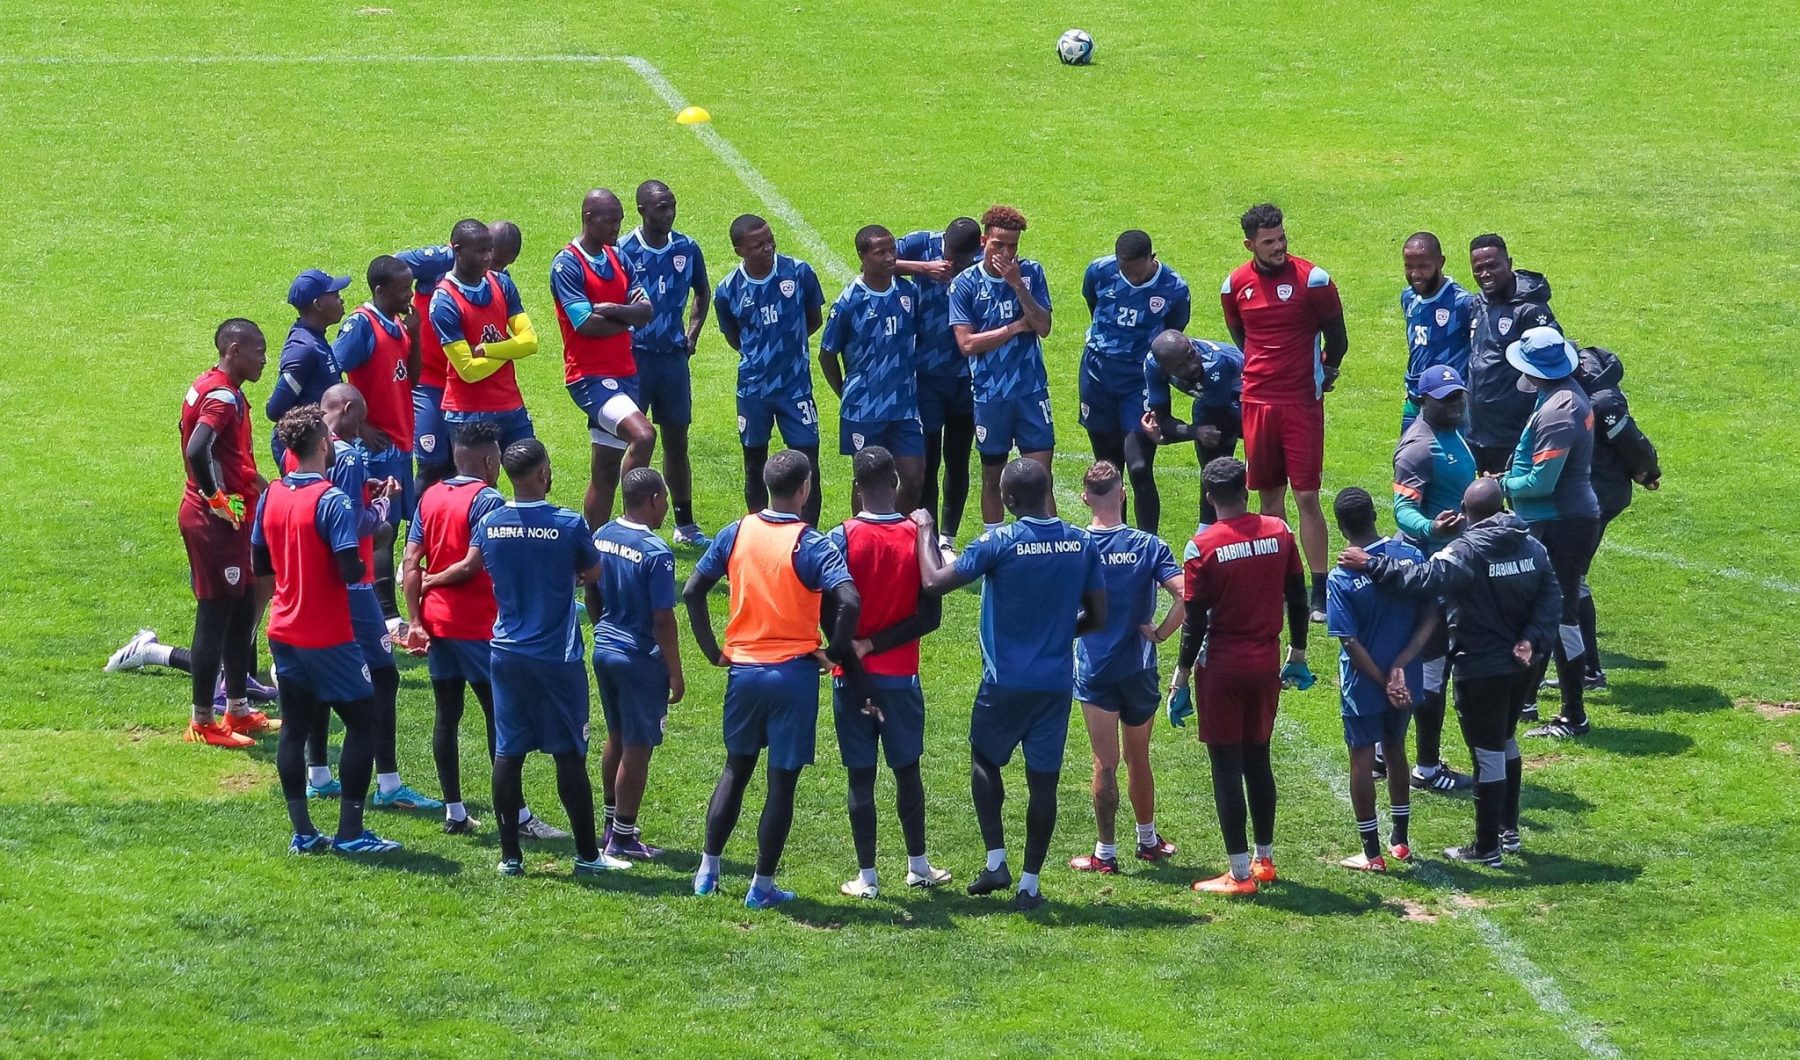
(218, 555)
(1284, 445)
(1237, 707)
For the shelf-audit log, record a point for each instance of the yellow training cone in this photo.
(693, 116)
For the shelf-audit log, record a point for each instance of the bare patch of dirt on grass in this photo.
(1408, 909)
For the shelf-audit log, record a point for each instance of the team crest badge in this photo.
(906, 302)
(428, 442)
(233, 575)
(1284, 291)
(387, 644)
(1157, 302)
(1504, 325)
(856, 442)
(680, 262)
(980, 433)
(365, 672)
(742, 423)
(610, 384)
(1443, 317)
(787, 288)
(584, 731)
(1084, 410)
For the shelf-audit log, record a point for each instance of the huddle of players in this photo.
(882, 327)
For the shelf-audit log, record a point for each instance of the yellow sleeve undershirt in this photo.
(470, 368)
(524, 341)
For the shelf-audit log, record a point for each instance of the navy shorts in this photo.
(336, 674)
(634, 696)
(431, 438)
(902, 438)
(1388, 727)
(901, 730)
(774, 706)
(515, 424)
(539, 704)
(607, 400)
(447, 658)
(798, 419)
(666, 388)
(394, 464)
(941, 397)
(1112, 394)
(1005, 719)
(1024, 423)
(370, 628)
(1134, 699)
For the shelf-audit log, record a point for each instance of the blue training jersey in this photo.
(936, 353)
(1437, 330)
(1133, 564)
(428, 265)
(873, 331)
(667, 275)
(817, 562)
(307, 370)
(446, 319)
(771, 317)
(1220, 387)
(1034, 571)
(1014, 369)
(1380, 619)
(1127, 316)
(533, 551)
(637, 579)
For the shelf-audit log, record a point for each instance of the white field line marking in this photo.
(1509, 954)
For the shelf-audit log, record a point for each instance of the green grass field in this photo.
(168, 165)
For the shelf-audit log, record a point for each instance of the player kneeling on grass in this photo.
(1041, 590)
(1502, 604)
(1238, 573)
(535, 553)
(1380, 677)
(779, 568)
(637, 659)
(1115, 667)
(888, 706)
(304, 542)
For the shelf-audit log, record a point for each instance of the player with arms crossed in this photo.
(780, 571)
(305, 551)
(535, 554)
(668, 265)
(946, 401)
(1238, 573)
(1212, 373)
(479, 321)
(598, 302)
(1381, 634)
(1000, 312)
(1438, 314)
(1278, 308)
(1132, 297)
(637, 656)
(767, 309)
(1115, 668)
(1041, 589)
(872, 329)
(878, 549)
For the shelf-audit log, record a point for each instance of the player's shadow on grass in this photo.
(1555, 800)
(1619, 661)
(945, 910)
(1533, 869)
(1667, 699)
(409, 860)
(1639, 742)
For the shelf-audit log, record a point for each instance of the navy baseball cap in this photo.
(1543, 353)
(312, 285)
(1440, 381)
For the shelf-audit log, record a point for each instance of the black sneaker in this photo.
(1549, 681)
(1560, 728)
(466, 826)
(1473, 856)
(1529, 713)
(1595, 682)
(1509, 840)
(1025, 903)
(1379, 771)
(987, 881)
(1442, 780)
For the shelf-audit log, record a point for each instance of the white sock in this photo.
(203, 715)
(1240, 866)
(237, 708)
(455, 811)
(1028, 883)
(709, 864)
(318, 776)
(1265, 851)
(158, 654)
(996, 858)
(1106, 851)
(387, 782)
(868, 877)
(1146, 834)
(759, 882)
(918, 866)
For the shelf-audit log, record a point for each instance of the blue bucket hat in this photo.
(1543, 353)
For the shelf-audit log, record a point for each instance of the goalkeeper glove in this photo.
(1297, 675)
(1181, 706)
(227, 507)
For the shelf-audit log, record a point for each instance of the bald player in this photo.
(598, 302)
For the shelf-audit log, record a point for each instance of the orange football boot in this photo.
(1262, 870)
(217, 735)
(1225, 884)
(255, 723)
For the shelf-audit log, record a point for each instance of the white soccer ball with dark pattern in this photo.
(1075, 47)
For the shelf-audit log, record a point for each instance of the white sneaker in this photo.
(932, 877)
(131, 656)
(857, 887)
(691, 535)
(538, 828)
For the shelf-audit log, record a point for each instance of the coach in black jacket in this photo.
(1511, 301)
(1622, 455)
(1502, 605)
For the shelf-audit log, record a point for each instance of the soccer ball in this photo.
(1075, 47)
